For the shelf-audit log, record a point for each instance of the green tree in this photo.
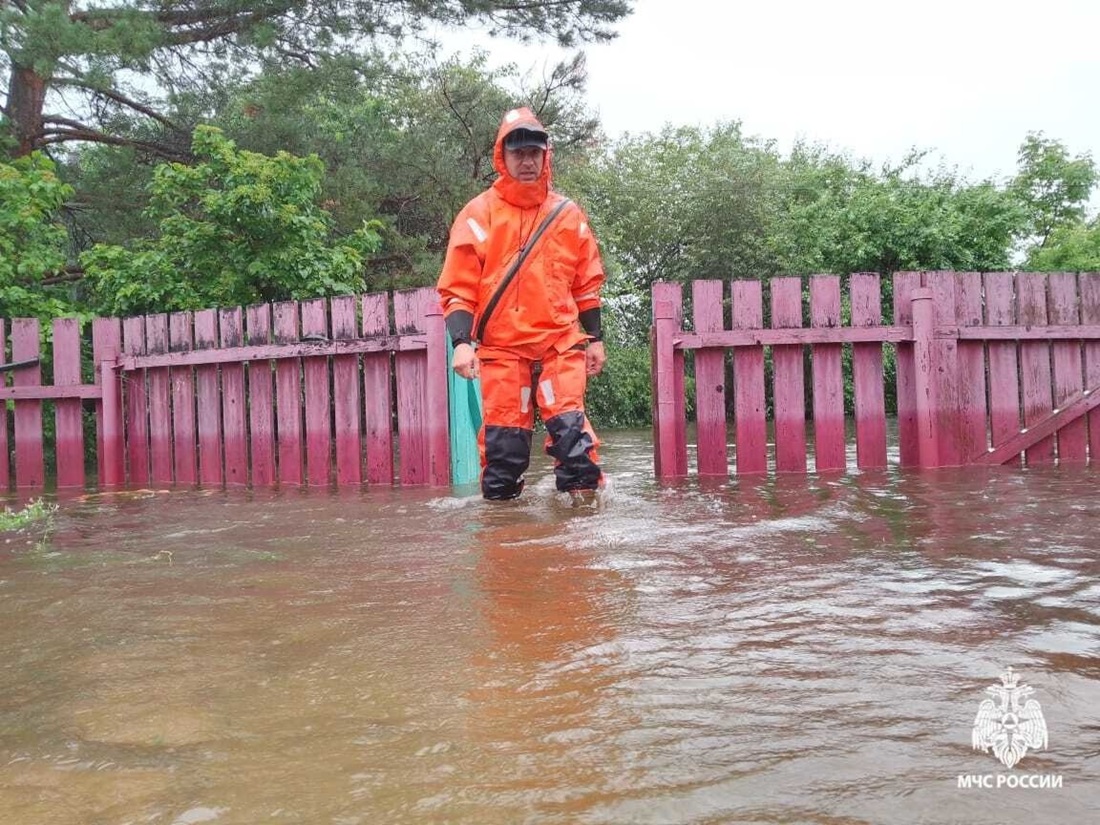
(840, 217)
(404, 138)
(110, 194)
(1069, 249)
(33, 241)
(622, 395)
(682, 204)
(1053, 187)
(687, 203)
(119, 64)
(236, 228)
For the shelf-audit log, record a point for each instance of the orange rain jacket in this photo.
(561, 277)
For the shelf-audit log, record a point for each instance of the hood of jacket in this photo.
(517, 193)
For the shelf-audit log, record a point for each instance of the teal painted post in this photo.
(464, 398)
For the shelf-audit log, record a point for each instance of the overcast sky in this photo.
(967, 79)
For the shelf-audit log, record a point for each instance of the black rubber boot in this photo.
(507, 455)
(571, 445)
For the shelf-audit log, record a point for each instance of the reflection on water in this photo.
(781, 651)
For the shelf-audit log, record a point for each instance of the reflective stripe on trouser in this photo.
(511, 390)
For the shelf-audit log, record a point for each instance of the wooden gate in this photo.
(991, 368)
(316, 392)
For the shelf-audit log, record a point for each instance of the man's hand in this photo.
(594, 358)
(465, 363)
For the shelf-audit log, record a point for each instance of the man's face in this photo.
(524, 164)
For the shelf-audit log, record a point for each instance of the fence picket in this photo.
(1035, 377)
(159, 402)
(710, 382)
(208, 399)
(946, 376)
(749, 405)
(679, 401)
(1004, 382)
(867, 376)
(1066, 357)
(669, 446)
(30, 463)
(318, 394)
(234, 404)
(411, 370)
(182, 379)
(1088, 285)
(908, 436)
(971, 361)
(788, 379)
(828, 377)
(137, 405)
(345, 400)
(106, 346)
(261, 399)
(288, 396)
(68, 414)
(377, 397)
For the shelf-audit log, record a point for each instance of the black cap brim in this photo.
(520, 138)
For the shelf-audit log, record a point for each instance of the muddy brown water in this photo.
(793, 650)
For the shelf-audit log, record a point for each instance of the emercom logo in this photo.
(1007, 724)
(1010, 724)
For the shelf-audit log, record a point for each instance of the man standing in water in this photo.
(522, 279)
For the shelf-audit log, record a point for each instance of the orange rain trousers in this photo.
(513, 387)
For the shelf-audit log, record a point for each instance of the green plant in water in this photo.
(36, 510)
(35, 518)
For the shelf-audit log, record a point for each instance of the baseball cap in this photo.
(518, 138)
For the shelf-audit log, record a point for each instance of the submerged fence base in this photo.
(318, 392)
(990, 368)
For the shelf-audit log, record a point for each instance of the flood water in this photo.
(793, 650)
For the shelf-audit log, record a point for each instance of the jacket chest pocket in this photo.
(561, 267)
(559, 289)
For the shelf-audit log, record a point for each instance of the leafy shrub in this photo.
(234, 229)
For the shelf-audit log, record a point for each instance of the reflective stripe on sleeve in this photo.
(475, 227)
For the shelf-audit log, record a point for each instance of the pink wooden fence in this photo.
(991, 368)
(317, 392)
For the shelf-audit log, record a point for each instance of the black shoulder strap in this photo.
(514, 268)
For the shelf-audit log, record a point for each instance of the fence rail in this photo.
(344, 390)
(991, 368)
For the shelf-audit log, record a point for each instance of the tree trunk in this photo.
(26, 99)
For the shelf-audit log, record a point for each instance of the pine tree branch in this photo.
(68, 130)
(111, 94)
(100, 19)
